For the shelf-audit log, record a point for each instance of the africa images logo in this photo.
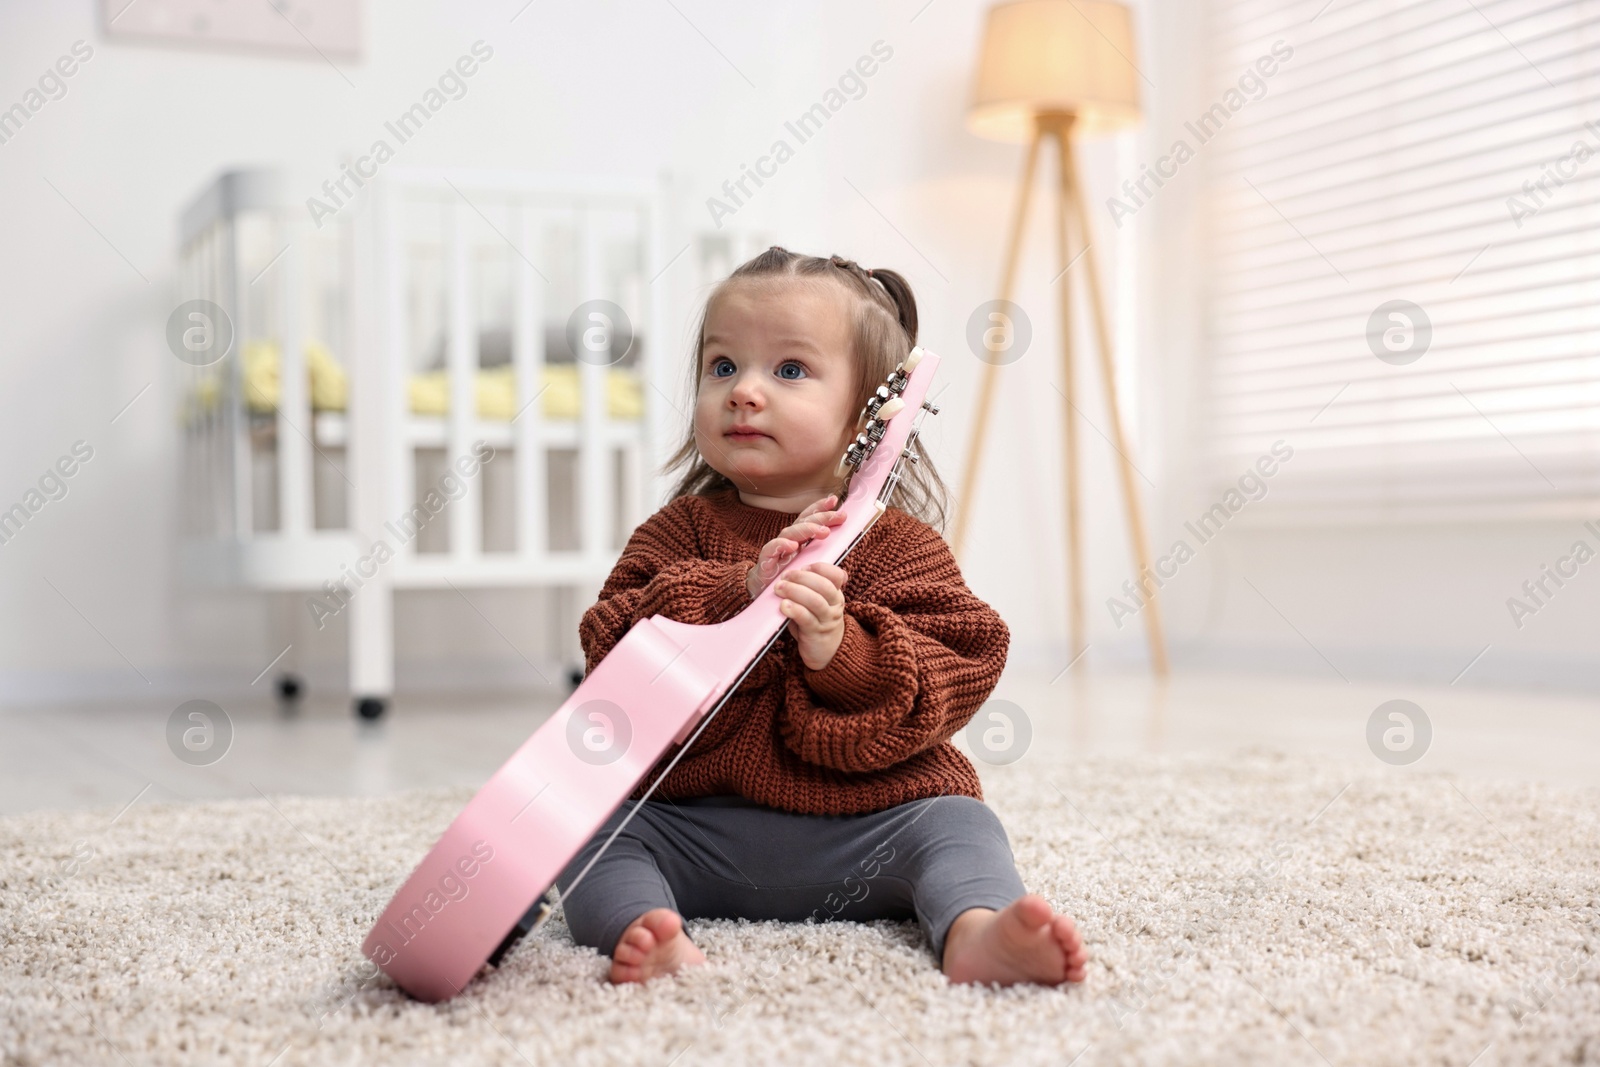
(452, 887)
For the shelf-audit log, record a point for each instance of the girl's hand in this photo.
(811, 523)
(813, 600)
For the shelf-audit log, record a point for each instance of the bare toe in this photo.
(663, 923)
(1076, 956)
(636, 943)
(1023, 942)
(653, 944)
(1032, 909)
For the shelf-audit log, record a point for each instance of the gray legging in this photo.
(725, 857)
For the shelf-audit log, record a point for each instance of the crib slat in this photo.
(237, 417)
(654, 361)
(294, 397)
(466, 512)
(528, 354)
(398, 461)
(594, 454)
(370, 450)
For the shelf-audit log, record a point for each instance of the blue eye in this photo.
(796, 366)
(717, 366)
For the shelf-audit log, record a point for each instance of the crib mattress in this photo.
(428, 393)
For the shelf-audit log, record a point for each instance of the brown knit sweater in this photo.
(871, 730)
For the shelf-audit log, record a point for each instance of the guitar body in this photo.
(470, 897)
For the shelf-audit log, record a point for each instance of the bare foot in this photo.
(653, 944)
(1023, 942)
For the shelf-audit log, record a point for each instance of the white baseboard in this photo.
(109, 686)
(1497, 667)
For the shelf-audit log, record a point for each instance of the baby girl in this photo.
(827, 786)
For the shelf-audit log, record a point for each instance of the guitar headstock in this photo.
(886, 403)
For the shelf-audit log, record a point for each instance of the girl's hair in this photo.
(883, 332)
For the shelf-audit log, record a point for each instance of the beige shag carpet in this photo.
(1245, 910)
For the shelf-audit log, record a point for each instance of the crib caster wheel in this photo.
(371, 708)
(290, 688)
(574, 677)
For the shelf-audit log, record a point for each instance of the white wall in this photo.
(894, 180)
(604, 88)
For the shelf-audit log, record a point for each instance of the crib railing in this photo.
(597, 436)
(252, 251)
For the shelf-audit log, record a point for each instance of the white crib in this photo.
(439, 303)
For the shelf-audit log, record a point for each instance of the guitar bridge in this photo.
(531, 920)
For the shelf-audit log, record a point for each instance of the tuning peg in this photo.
(909, 364)
(855, 453)
(930, 407)
(874, 402)
(890, 408)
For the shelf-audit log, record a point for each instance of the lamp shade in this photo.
(1055, 55)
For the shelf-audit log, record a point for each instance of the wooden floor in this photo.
(66, 757)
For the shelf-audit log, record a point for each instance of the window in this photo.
(1404, 219)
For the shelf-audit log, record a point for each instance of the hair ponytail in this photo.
(905, 304)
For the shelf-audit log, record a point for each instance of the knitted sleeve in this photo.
(663, 571)
(920, 654)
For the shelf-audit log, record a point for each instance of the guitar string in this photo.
(891, 484)
(565, 893)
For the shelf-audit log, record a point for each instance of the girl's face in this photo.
(777, 391)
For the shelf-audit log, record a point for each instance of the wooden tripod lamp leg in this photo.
(1130, 492)
(969, 475)
(1069, 424)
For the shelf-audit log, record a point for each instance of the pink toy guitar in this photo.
(474, 895)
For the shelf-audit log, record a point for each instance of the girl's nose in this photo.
(745, 391)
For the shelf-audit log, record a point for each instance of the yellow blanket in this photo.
(429, 393)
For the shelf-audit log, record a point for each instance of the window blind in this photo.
(1444, 153)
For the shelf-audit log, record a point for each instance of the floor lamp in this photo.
(1050, 70)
